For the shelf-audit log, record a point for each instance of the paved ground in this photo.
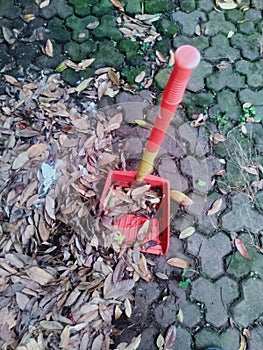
(223, 296)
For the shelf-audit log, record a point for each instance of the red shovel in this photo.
(157, 240)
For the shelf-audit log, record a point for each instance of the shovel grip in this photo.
(187, 58)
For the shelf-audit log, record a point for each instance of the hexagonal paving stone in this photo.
(188, 20)
(197, 80)
(248, 44)
(217, 24)
(254, 97)
(257, 338)
(208, 337)
(250, 308)
(239, 266)
(221, 49)
(226, 101)
(216, 297)
(225, 78)
(242, 216)
(200, 42)
(107, 28)
(252, 70)
(211, 251)
(205, 5)
(168, 170)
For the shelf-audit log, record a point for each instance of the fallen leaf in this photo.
(28, 17)
(216, 206)
(198, 29)
(180, 315)
(118, 4)
(230, 34)
(39, 275)
(160, 341)
(10, 79)
(64, 337)
(160, 56)
(28, 192)
(143, 124)
(44, 4)
(128, 308)
(180, 198)
(161, 275)
(246, 333)
(177, 262)
(229, 5)
(114, 77)
(170, 337)
(20, 160)
(241, 248)
(50, 207)
(97, 342)
(250, 170)
(189, 231)
(83, 85)
(243, 344)
(8, 35)
(36, 150)
(139, 78)
(143, 231)
(49, 48)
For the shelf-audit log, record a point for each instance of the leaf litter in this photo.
(54, 258)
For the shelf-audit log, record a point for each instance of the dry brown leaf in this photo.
(216, 206)
(36, 150)
(39, 275)
(189, 231)
(226, 5)
(218, 137)
(114, 77)
(160, 56)
(180, 198)
(118, 4)
(170, 337)
(241, 248)
(102, 88)
(64, 337)
(49, 48)
(143, 231)
(32, 345)
(50, 207)
(44, 232)
(178, 262)
(83, 85)
(10, 79)
(246, 333)
(28, 192)
(20, 160)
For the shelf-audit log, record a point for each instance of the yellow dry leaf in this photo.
(114, 77)
(143, 124)
(28, 17)
(180, 198)
(83, 85)
(49, 48)
(243, 345)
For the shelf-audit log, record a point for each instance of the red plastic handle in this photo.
(187, 58)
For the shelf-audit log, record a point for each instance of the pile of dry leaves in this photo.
(64, 276)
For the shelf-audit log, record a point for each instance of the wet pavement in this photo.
(223, 295)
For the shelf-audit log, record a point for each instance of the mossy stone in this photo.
(187, 5)
(163, 46)
(107, 55)
(197, 103)
(166, 27)
(162, 77)
(85, 74)
(130, 49)
(70, 76)
(200, 42)
(81, 8)
(158, 6)
(133, 7)
(78, 52)
(107, 29)
(130, 73)
(57, 30)
(79, 27)
(102, 8)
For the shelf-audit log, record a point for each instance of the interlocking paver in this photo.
(226, 101)
(241, 267)
(197, 80)
(248, 44)
(250, 308)
(257, 338)
(168, 170)
(221, 49)
(242, 216)
(188, 21)
(217, 24)
(211, 259)
(216, 297)
(252, 70)
(205, 5)
(225, 78)
(254, 97)
(228, 340)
